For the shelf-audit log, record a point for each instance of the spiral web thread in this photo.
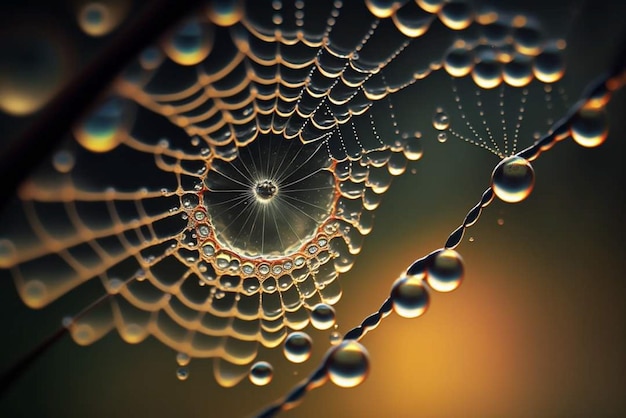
(317, 83)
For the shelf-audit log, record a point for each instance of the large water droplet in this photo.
(513, 179)
(589, 127)
(348, 364)
(445, 272)
(261, 373)
(297, 347)
(410, 297)
(323, 316)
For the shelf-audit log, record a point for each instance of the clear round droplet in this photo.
(445, 272)
(513, 179)
(442, 137)
(441, 120)
(410, 297)
(297, 347)
(182, 373)
(347, 365)
(323, 316)
(589, 127)
(335, 337)
(261, 373)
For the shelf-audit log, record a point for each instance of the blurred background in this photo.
(537, 328)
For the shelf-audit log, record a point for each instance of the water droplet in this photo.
(63, 161)
(513, 179)
(500, 221)
(34, 293)
(348, 364)
(445, 272)
(182, 373)
(35, 62)
(335, 337)
(261, 373)
(183, 359)
(323, 316)
(441, 121)
(589, 127)
(190, 44)
(226, 12)
(459, 62)
(98, 19)
(456, 15)
(103, 129)
(7, 253)
(297, 347)
(549, 66)
(410, 297)
(442, 137)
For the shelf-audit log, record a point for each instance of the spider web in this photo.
(136, 206)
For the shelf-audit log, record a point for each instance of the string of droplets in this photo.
(347, 364)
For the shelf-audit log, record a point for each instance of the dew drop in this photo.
(7, 253)
(459, 62)
(442, 137)
(103, 129)
(183, 359)
(297, 347)
(513, 179)
(445, 272)
(589, 127)
(98, 19)
(549, 66)
(456, 15)
(226, 12)
(323, 316)
(63, 161)
(190, 44)
(347, 365)
(34, 293)
(410, 297)
(261, 373)
(441, 120)
(335, 337)
(182, 373)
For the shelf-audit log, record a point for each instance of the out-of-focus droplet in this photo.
(456, 15)
(63, 161)
(35, 63)
(226, 12)
(589, 127)
(190, 43)
(104, 128)
(183, 359)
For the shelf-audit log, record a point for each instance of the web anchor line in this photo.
(603, 86)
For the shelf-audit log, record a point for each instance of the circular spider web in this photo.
(232, 172)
